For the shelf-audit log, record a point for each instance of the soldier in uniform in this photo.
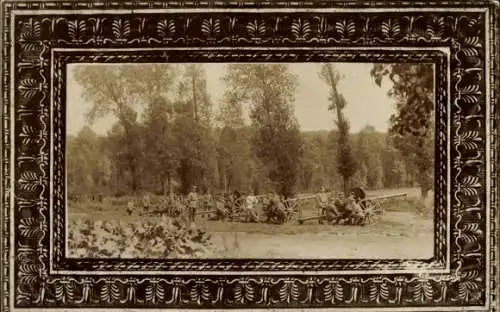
(341, 208)
(356, 212)
(322, 201)
(250, 204)
(359, 196)
(208, 202)
(146, 202)
(178, 207)
(276, 211)
(192, 201)
(220, 208)
(130, 207)
(170, 204)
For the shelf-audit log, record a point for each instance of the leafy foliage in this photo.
(269, 91)
(346, 165)
(168, 137)
(111, 89)
(413, 125)
(114, 239)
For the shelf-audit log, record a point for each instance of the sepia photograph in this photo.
(250, 160)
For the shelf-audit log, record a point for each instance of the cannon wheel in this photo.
(373, 208)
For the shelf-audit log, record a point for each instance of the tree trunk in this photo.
(225, 183)
(164, 184)
(195, 115)
(130, 159)
(117, 182)
(133, 173)
(170, 184)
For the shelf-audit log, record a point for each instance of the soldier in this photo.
(250, 203)
(130, 207)
(220, 208)
(269, 206)
(322, 201)
(359, 196)
(281, 210)
(276, 211)
(237, 198)
(355, 210)
(208, 202)
(178, 205)
(146, 202)
(192, 201)
(340, 206)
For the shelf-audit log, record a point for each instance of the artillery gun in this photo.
(371, 208)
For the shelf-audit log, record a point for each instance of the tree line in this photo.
(168, 136)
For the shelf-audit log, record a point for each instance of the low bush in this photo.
(167, 238)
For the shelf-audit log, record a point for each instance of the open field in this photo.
(403, 231)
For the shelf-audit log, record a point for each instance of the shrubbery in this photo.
(168, 238)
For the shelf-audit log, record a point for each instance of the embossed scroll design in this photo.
(34, 38)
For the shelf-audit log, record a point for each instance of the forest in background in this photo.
(168, 136)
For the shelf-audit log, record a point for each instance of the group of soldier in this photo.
(276, 209)
(341, 209)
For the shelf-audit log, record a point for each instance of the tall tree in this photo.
(269, 89)
(89, 170)
(412, 126)
(233, 150)
(115, 147)
(368, 152)
(393, 164)
(110, 91)
(346, 162)
(193, 128)
(160, 146)
(154, 86)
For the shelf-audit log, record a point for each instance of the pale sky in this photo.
(367, 104)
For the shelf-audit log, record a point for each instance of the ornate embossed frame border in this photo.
(40, 38)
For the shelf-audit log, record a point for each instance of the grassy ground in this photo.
(405, 230)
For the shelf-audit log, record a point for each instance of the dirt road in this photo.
(396, 235)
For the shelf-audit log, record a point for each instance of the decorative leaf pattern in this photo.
(166, 28)
(30, 181)
(29, 88)
(211, 27)
(346, 28)
(378, 292)
(435, 29)
(333, 291)
(244, 292)
(77, 29)
(469, 186)
(30, 35)
(155, 292)
(121, 29)
(301, 29)
(27, 134)
(470, 140)
(277, 30)
(256, 28)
